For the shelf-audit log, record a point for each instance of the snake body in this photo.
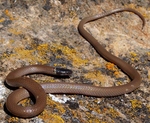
(17, 77)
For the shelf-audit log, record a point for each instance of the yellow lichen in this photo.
(2, 40)
(45, 79)
(15, 31)
(1, 105)
(60, 65)
(12, 119)
(50, 118)
(38, 54)
(11, 41)
(134, 56)
(113, 112)
(148, 107)
(21, 53)
(42, 49)
(25, 102)
(2, 20)
(95, 120)
(148, 74)
(95, 75)
(119, 83)
(71, 54)
(72, 14)
(136, 103)
(29, 54)
(56, 105)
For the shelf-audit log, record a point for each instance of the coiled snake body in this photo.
(16, 78)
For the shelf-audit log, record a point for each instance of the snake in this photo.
(27, 87)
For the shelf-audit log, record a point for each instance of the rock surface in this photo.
(45, 32)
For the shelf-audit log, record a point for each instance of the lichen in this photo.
(2, 20)
(9, 14)
(96, 121)
(56, 105)
(30, 55)
(113, 112)
(50, 118)
(113, 68)
(12, 119)
(136, 104)
(70, 53)
(148, 109)
(95, 76)
(14, 31)
(134, 56)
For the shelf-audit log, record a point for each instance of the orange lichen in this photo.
(112, 67)
(116, 73)
(9, 14)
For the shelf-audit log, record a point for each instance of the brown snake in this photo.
(16, 78)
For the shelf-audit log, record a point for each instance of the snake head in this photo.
(63, 72)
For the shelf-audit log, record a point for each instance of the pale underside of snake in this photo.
(28, 86)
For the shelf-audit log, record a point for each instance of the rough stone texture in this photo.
(45, 32)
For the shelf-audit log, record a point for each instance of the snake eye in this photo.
(63, 72)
